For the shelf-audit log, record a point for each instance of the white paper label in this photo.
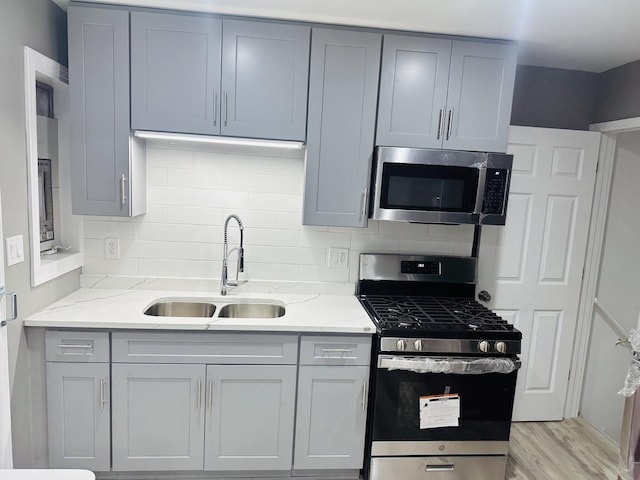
(439, 411)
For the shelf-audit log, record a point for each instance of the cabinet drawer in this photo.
(440, 468)
(335, 350)
(74, 346)
(210, 348)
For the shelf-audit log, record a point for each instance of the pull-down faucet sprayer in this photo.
(225, 283)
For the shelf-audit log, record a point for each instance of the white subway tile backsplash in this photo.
(191, 189)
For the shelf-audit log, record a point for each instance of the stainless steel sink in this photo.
(181, 309)
(251, 310)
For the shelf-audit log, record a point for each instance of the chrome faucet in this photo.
(225, 283)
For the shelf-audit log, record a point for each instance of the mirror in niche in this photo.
(55, 234)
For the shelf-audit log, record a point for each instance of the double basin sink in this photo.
(204, 309)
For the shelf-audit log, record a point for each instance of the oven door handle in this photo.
(449, 365)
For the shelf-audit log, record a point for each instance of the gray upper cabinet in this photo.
(158, 416)
(108, 171)
(175, 73)
(343, 91)
(203, 75)
(331, 417)
(264, 79)
(250, 412)
(438, 93)
(78, 410)
(480, 95)
(413, 91)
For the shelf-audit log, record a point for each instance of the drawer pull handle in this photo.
(336, 350)
(450, 467)
(64, 345)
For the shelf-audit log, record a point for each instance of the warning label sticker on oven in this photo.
(439, 411)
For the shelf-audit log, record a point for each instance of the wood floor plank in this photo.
(568, 450)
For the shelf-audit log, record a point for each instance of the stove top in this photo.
(413, 316)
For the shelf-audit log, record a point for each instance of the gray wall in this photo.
(619, 93)
(554, 98)
(41, 25)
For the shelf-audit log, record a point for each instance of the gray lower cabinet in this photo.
(108, 174)
(250, 415)
(78, 409)
(440, 93)
(175, 72)
(158, 416)
(331, 417)
(343, 90)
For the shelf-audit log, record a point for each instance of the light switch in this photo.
(14, 250)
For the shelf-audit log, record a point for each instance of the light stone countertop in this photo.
(123, 309)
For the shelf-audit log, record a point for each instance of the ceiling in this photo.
(588, 35)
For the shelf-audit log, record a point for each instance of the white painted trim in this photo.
(617, 126)
(69, 229)
(591, 271)
(6, 448)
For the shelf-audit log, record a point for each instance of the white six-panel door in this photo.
(532, 267)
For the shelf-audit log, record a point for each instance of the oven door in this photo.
(477, 419)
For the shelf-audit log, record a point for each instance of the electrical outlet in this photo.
(338, 257)
(111, 248)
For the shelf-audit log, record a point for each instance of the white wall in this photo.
(191, 190)
(618, 290)
(41, 25)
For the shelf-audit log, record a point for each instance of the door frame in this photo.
(595, 240)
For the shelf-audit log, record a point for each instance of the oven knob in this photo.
(501, 347)
(417, 345)
(483, 346)
(401, 345)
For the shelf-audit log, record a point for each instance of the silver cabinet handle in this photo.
(199, 399)
(363, 204)
(450, 467)
(440, 123)
(77, 345)
(215, 108)
(226, 107)
(210, 396)
(123, 190)
(336, 350)
(450, 117)
(365, 388)
(103, 398)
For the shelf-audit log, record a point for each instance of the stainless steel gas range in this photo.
(446, 366)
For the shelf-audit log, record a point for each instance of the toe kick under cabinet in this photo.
(219, 402)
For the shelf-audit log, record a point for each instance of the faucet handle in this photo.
(241, 259)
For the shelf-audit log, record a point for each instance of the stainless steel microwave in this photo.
(440, 186)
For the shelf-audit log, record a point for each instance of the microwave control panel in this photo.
(495, 191)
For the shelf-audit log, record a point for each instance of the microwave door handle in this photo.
(482, 182)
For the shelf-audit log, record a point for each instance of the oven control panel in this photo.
(449, 345)
(424, 268)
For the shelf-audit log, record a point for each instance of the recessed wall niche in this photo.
(55, 235)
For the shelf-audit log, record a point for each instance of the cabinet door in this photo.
(342, 111)
(99, 103)
(175, 73)
(413, 91)
(481, 82)
(265, 69)
(78, 415)
(331, 416)
(250, 412)
(158, 417)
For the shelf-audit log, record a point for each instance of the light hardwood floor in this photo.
(567, 450)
